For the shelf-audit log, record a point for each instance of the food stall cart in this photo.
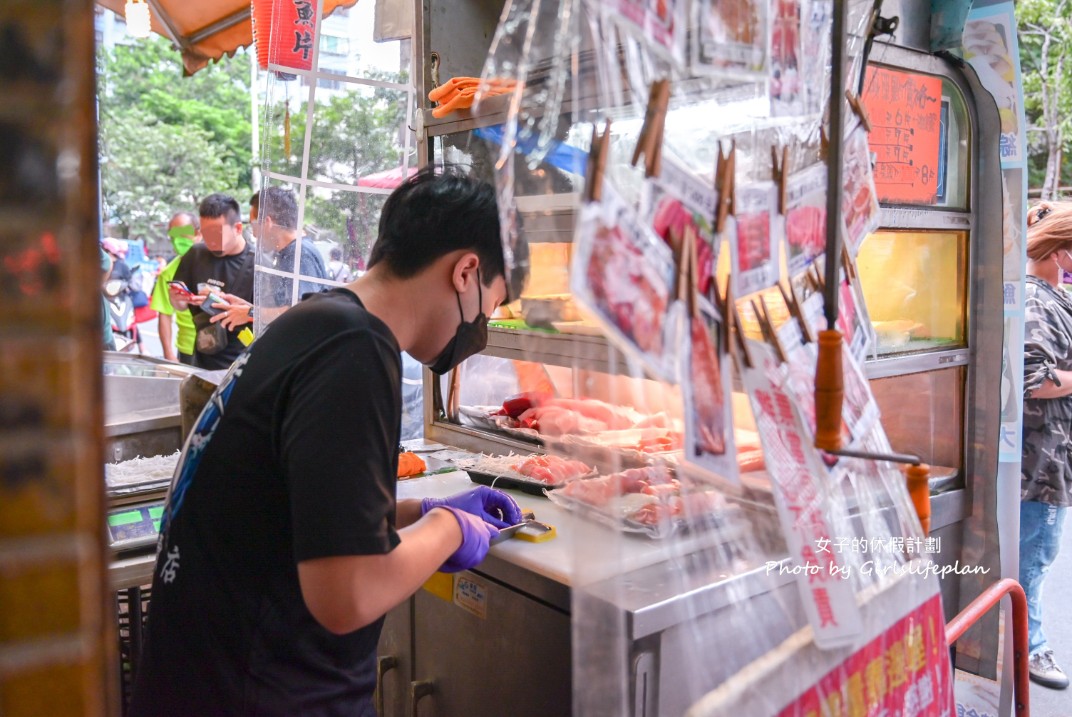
(678, 580)
(627, 610)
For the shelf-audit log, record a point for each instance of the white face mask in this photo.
(1063, 270)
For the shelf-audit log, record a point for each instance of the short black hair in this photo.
(336, 254)
(433, 213)
(279, 204)
(220, 205)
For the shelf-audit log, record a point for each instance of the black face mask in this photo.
(470, 338)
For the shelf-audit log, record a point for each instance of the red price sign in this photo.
(905, 111)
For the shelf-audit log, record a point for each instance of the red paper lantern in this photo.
(284, 31)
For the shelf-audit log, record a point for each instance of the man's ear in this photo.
(465, 272)
(238, 227)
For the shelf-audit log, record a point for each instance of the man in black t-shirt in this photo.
(222, 263)
(282, 545)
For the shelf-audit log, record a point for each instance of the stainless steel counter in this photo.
(141, 406)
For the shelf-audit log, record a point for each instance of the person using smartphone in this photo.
(222, 263)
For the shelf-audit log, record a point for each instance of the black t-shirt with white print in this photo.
(231, 274)
(294, 458)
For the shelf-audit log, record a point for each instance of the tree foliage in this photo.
(166, 140)
(150, 169)
(1046, 66)
(354, 135)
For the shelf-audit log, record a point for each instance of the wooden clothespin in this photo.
(848, 264)
(725, 185)
(721, 302)
(793, 303)
(858, 108)
(735, 329)
(692, 274)
(766, 327)
(650, 141)
(779, 348)
(817, 278)
(780, 174)
(597, 163)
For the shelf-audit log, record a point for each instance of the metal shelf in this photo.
(494, 110)
(593, 353)
(901, 365)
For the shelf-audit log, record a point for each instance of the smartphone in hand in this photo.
(181, 289)
(211, 305)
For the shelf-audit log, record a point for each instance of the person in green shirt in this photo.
(184, 230)
(106, 269)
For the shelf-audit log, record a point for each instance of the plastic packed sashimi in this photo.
(647, 501)
(531, 473)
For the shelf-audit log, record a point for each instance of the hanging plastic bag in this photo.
(754, 240)
(805, 217)
(787, 91)
(860, 210)
(624, 275)
(731, 38)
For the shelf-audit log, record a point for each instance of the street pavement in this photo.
(150, 338)
(1057, 623)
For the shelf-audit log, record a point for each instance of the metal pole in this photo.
(978, 607)
(829, 375)
(834, 187)
(254, 119)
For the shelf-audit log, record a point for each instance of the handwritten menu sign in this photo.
(905, 111)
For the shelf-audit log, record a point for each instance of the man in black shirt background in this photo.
(282, 545)
(222, 263)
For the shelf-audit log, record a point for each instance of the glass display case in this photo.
(915, 287)
(926, 369)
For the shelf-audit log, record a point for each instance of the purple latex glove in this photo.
(493, 506)
(476, 539)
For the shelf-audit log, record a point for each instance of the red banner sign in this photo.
(903, 671)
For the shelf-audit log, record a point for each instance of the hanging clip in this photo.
(733, 317)
(848, 264)
(858, 109)
(692, 278)
(434, 61)
(721, 302)
(793, 304)
(650, 141)
(684, 248)
(766, 327)
(725, 173)
(816, 279)
(597, 162)
(780, 174)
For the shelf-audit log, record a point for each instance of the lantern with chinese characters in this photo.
(284, 31)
